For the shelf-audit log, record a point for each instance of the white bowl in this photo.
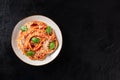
(19, 53)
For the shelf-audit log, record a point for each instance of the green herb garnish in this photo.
(48, 30)
(30, 53)
(35, 40)
(52, 45)
(24, 28)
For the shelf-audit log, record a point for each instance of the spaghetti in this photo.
(37, 40)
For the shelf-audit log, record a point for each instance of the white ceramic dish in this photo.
(19, 53)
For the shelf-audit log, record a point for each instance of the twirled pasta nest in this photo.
(37, 40)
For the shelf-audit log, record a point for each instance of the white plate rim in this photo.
(26, 56)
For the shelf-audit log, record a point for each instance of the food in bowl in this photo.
(37, 40)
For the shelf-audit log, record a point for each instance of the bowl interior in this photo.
(25, 58)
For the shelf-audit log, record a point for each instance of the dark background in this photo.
(91, 39)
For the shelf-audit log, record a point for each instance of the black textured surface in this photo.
(91, 36)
